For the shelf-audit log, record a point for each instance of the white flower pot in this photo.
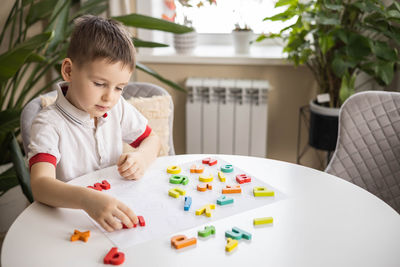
(241, 41)
(185, 43)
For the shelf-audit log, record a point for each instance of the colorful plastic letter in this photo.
(176, 192)
(188, 203)
(209, 161)
(206, 209)
(261, 191)
(208, 230)
(227, 168)
(231, 244)
(114, 257)
(196, 169)
(141, 221)
(243, 178)
(206, 179)
(264, 220)
(174, 169)
(179, 179)
(181, 241)
(221, 176)
(204, 187)
(105, 185)
(83, 236)
(231, 189)
(96, 186)
(126, 227)
(224, 200)
(238, 234)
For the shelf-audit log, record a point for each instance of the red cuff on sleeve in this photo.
(43, 157)
(146, 133)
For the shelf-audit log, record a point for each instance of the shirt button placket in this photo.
(100, 146)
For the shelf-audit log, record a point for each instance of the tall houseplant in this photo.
(337, 40)
(28, 60)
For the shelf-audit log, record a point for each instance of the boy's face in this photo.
(95, 87)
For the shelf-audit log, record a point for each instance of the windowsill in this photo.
(215, 54)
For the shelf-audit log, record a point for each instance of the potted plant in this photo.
(28, 60)
(183, 43)
(337, 40)
(242, 36)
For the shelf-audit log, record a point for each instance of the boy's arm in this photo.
(101, 207)
(150, 147)
(132, 165)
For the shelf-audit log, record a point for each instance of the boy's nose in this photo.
(107, 95)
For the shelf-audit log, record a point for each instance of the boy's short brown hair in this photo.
(95, 38)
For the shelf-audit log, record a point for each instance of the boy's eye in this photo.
(119, 88)
(98, 84)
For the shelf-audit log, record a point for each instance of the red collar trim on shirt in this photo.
(105, 115)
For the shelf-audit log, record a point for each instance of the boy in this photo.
(82, 131)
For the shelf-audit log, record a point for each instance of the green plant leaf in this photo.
(339, 66)
(140, 43)
(20, 168)
(328, 20)
(146, 22)
(9, 120)
(8, 180)
(12, 60)
(26, 2)
(366, 6)
(394, 6)
(358, 46)
(285, 3)
(383, 51)
(385, 71)
(158, 77)
(93, 7)
(347, 87)
(59, 22)
(35, 58)
(394, 14)
(39, 11)
(326, 42)
(284, 16)
(333, 7)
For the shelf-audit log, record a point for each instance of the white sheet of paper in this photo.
(165, 215)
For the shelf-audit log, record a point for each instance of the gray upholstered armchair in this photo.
(368, 147)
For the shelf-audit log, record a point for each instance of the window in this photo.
(217, 20)
(225, 14)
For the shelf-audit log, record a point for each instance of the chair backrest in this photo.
(139, 89)
(133, 89)
(28, 114)
(368, 147)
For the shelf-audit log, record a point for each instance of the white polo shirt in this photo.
(66, 136)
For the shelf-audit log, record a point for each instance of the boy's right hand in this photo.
(108, 211)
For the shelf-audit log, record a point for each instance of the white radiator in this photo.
(226, 116)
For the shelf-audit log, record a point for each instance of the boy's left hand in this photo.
(131, 165)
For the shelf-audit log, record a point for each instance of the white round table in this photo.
(323, 221)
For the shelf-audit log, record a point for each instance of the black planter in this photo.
(323, 130)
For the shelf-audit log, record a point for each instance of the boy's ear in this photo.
(66, 69)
